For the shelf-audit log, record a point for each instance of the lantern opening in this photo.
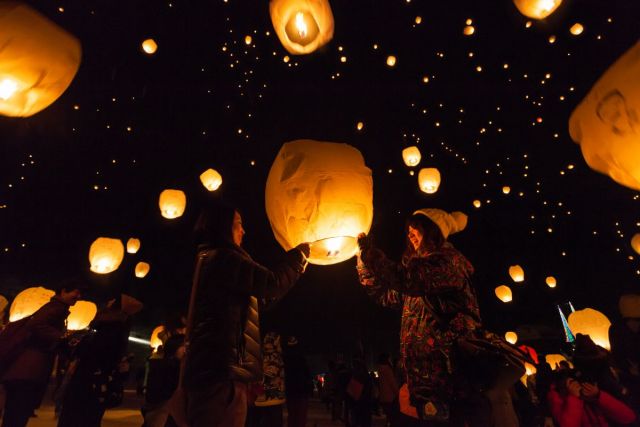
(332, 248)
(302, 28)
(8, 87)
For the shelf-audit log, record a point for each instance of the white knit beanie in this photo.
(448, 223)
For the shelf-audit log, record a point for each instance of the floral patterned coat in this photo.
(438, 306)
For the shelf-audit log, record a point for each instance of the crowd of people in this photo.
(217, 368)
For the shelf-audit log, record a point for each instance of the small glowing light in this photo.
(425, 79)
(8, 88)
(552, 39)
(418, 20)
(286, 59)
(391, 61)
(343, 59)
(149, 46)
(511, 337)
(247, 40)
(301, 25)
(477, 204)
(469, 21)
(359, 125)
(506, 189)
(528, 24)
(576, 29)
(551, 282)
(469, 30)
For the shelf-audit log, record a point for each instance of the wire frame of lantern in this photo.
(537, 9)
(211, 179)
(503, 293)
(429, 180)
(302, 25)
(133, 245)
(517, 273)
(28, 302)
(80, 315)
(142, 269)
(105, 255)
(411, 156)
(172, 203)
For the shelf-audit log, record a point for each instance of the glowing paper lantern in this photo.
(503, 293)
(319, 192)
(506, 189)
(429, 180)
(551, 281)
(635, 242)
(155, 340)
(142, 269)
(537, 9)
(593, 323)
(247, 40)
(149, 46)
(38, 60)
(511, 337)
(411, 156)
(80, 315)
(529, 370)
(391, 61)
(606, 124)
(576, 29)
(517, 273)
(477, 203)
(554, 360)
(359, 125)
(469, 30)
(302, 25)
(172, 203)
(211, 179)
(105, 255)
(133, 245)
(28, 302)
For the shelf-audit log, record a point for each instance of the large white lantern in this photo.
(320, 192)
(593, 323)
(80, 315)
(537, 9)
(172, 203)
(105, 255)
(606, 123)
(38, 60)
(28, 302)
(302, 25)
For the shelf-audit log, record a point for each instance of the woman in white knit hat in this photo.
(431, 285)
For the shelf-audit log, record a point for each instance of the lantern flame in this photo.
(301, 26)
(332, 247)
(8, 88)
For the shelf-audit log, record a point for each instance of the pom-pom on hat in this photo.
(448, 223)
(630, 306)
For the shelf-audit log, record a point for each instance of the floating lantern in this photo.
(606, 124)
(359, 125)
(429, 180)
(211, 179)
(172, 203)
(133, 245)
(537, 9)
(142, 269)
(247, 40)
(319, 192)
(506, 189)
(155, 340)
(411, 156)
(302, 25)
(635, 242)
(477, 203)
(391, 61)
(149, 46)
(551, 281)
(503, 293)
(593, 323)
(628, 304)
(517, 273)
(554, 360)
(576, 29)
(105, 255)
(418, 20)
(511, 337)
(469, 30)
(28, 302)
(38, 60)
(80, 315)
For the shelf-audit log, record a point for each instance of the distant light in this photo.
(391, 61)
(469, 30)
(149, 46)
(247, 40)
(576, 29)
(418, 20)
(139, 341)
(552, 39)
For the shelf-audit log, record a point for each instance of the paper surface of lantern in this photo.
(593, 323)
(321, 193)
(38, 60)
(3, 304)
(606, 123)
(529, 370)
(80, 315)
(517, 273)
(133, 245)
(28, 302)
(576, 29)
(172, 203)
(551, 281)
(511, 337)
(105, 255)
(554, 360)
(302, 25)
(211, 179)
(142, 269)
(429, 180)
(503, 293)
(537, 9)
(635, 243)
(411, 156)
(155, 340)
(391, 61)
(149, 46)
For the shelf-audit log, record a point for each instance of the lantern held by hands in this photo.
(28, 302)
(321, 193)
(80, 315)
(537, 9)
(302, 25)
(554, 360)
(172, 203)
(593, 323)
(105, 255)
(38, 60)
(155, 340)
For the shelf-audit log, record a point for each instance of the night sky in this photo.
(492, 111)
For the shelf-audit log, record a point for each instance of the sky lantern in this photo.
(247, 40)
(554, 360)
(503, 293)
(142, 269)
(469, 30)
(211, 179)
(359, 125)
(511, 337)
(105, 255)
(537, 9)
(149, 46)
(80, 315)
(38, 60)
(411, 156)
(172, 203)
(133, 245)
(635, 243)
(530, 369)
(593, 323)
(28, 302)
(429, 180)
(517, 273)
(576, 29)
(155, 340)
(302, 25)
(477, 203)
(606, 123)
(506, 189)
(391, 61)
(551, 281)
(322, 193)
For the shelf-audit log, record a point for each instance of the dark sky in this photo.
(206, 99)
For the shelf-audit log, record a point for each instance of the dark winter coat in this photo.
(224, 342)
(47, 325)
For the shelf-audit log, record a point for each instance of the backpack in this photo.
(13, 341)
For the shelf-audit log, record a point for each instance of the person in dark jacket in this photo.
(223, 350)
(25, 381)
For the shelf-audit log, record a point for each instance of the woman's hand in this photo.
(573, 387)
(364, 242)
(590, 392)
(305, 249)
